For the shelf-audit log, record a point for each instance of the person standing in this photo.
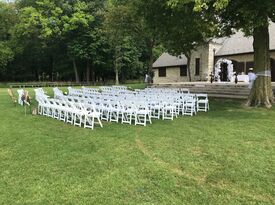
(252, 77)
(236, 77)
(146, 80)
(211, 77)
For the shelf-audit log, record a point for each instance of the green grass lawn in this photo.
(225, 156)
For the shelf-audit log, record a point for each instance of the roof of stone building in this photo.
(167, 60)
(239, 44)
(233, 45)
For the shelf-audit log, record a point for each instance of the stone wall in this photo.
(201, 52)
(172, 76)
(239, 58)
(206, 54)
(213, 48)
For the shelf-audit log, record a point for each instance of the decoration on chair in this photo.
(25, 98)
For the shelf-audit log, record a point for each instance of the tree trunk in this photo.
(117, 78)
(122, 76)
(261, 93)
(188, 56)
(151, 57)
(117, 65)
(53, 66)
(93, 74)
(88, 72)
(75, 71)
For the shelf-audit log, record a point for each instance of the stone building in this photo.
(237, 48)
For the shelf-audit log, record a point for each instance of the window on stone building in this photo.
(183, 70)
(272, 66)
(240, 67)
(162, 72)
(249, 65)
(198, 66)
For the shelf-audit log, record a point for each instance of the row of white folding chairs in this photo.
(190, 107)
(168, 109)
(77, 114)
(142, 97)
(201, 100)
(90, 90)
(126, 112)
(167, 90)
(75, 92)
(119, 87)
(161, 90)
(57, 93)
(113, 111)
(39, 92)
(105, 88)
(185, 104)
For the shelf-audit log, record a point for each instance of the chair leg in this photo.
(99, 121)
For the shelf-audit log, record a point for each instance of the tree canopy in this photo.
(70, 39)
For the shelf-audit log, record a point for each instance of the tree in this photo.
(6, 55)
(87, 43)
(51, 22)
(8, 17)
(252, 17)
(179, 29)
(118, 20)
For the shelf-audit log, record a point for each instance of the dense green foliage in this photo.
(72, 40)
(7, 20)
(225, 156)
(179, 28)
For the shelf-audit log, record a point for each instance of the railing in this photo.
(60, 84)
(44, 84)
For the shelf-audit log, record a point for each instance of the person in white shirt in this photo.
(252, 77)
(146, 80)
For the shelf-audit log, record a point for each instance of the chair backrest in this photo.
(201, 95)
(20, 95)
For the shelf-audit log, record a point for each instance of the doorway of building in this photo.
(272, 65)
(224, 72)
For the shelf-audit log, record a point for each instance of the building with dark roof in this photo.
(237, 48)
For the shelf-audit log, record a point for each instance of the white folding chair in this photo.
(142, 114)
(168, 110)
(114, 111)
(20, 95)
(202, 102)
(127, 112)
(90, 117)
(79, 114)
(189, 105)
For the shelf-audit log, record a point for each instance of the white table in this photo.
(241, 78)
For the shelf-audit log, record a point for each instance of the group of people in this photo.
(251, 76)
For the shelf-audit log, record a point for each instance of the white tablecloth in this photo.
(241, 78)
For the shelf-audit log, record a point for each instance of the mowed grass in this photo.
(225, 156)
